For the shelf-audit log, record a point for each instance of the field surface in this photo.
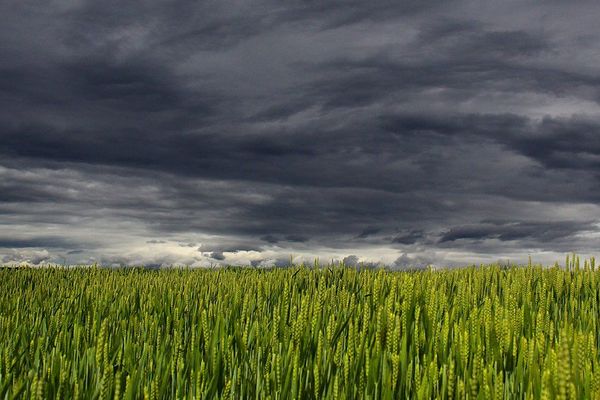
(332, 332)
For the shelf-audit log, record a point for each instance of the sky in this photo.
(234, 132)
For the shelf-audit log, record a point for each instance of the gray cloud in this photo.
(406, 261)
(217, 255)
(351, 261)
(14, 257)
(407, 133)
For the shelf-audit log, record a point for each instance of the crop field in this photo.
(332, 332)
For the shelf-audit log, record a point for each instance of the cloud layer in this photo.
(203, 133)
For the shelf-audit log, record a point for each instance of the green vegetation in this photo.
(333, 332)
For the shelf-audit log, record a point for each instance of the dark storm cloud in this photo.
(217, 255)
(564, 143)
(410, 237)
(507, 231)
(368, 232)
(296, 238)
(43, 242)
(423, 131)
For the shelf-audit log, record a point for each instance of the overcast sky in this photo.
(408, 132)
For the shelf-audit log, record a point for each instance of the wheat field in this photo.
(334, 332)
